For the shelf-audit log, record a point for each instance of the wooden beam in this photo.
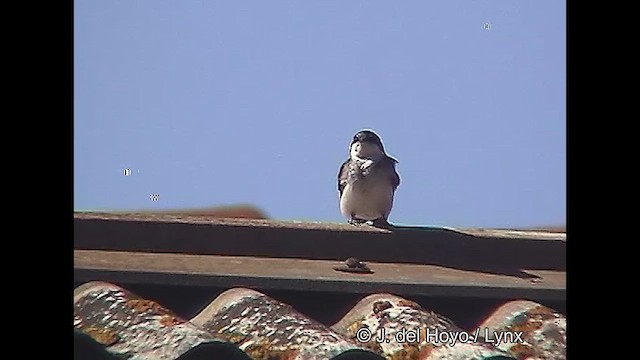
(483, 250)
(312, 275)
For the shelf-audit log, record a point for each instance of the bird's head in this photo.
(366, 145)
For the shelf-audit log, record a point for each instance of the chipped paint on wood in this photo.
(396, 317)
(268, 329)
(131, 327)
(543, 330)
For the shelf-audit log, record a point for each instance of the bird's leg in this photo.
(381, 223)
(356, 221)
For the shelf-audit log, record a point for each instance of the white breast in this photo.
(367, 199)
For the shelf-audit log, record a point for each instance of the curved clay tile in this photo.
(543, 330)
(265, 328)
(128, 326)
(399, 328)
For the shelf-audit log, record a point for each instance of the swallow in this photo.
(367, 181)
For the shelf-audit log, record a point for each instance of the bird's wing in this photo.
(343, 174)
(395, 178)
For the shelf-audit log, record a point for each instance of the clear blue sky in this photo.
(225, 102)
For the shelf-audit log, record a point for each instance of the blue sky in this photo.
(227, 102)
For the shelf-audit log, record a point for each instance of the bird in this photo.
(367, 181)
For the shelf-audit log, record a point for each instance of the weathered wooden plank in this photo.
(312, 275)
(485, 250)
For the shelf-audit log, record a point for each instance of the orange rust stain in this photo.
(352, 329)
(407, 352)
(522, 351)
(265, 350)
(103, 336)
(169, 320)
(373, 346)
(142, 305)
(410, 304)
(412, 351)
(425, 351)
(542, 312)
(534, 320)
(379, 306)
(289, 354)
(234, 338)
